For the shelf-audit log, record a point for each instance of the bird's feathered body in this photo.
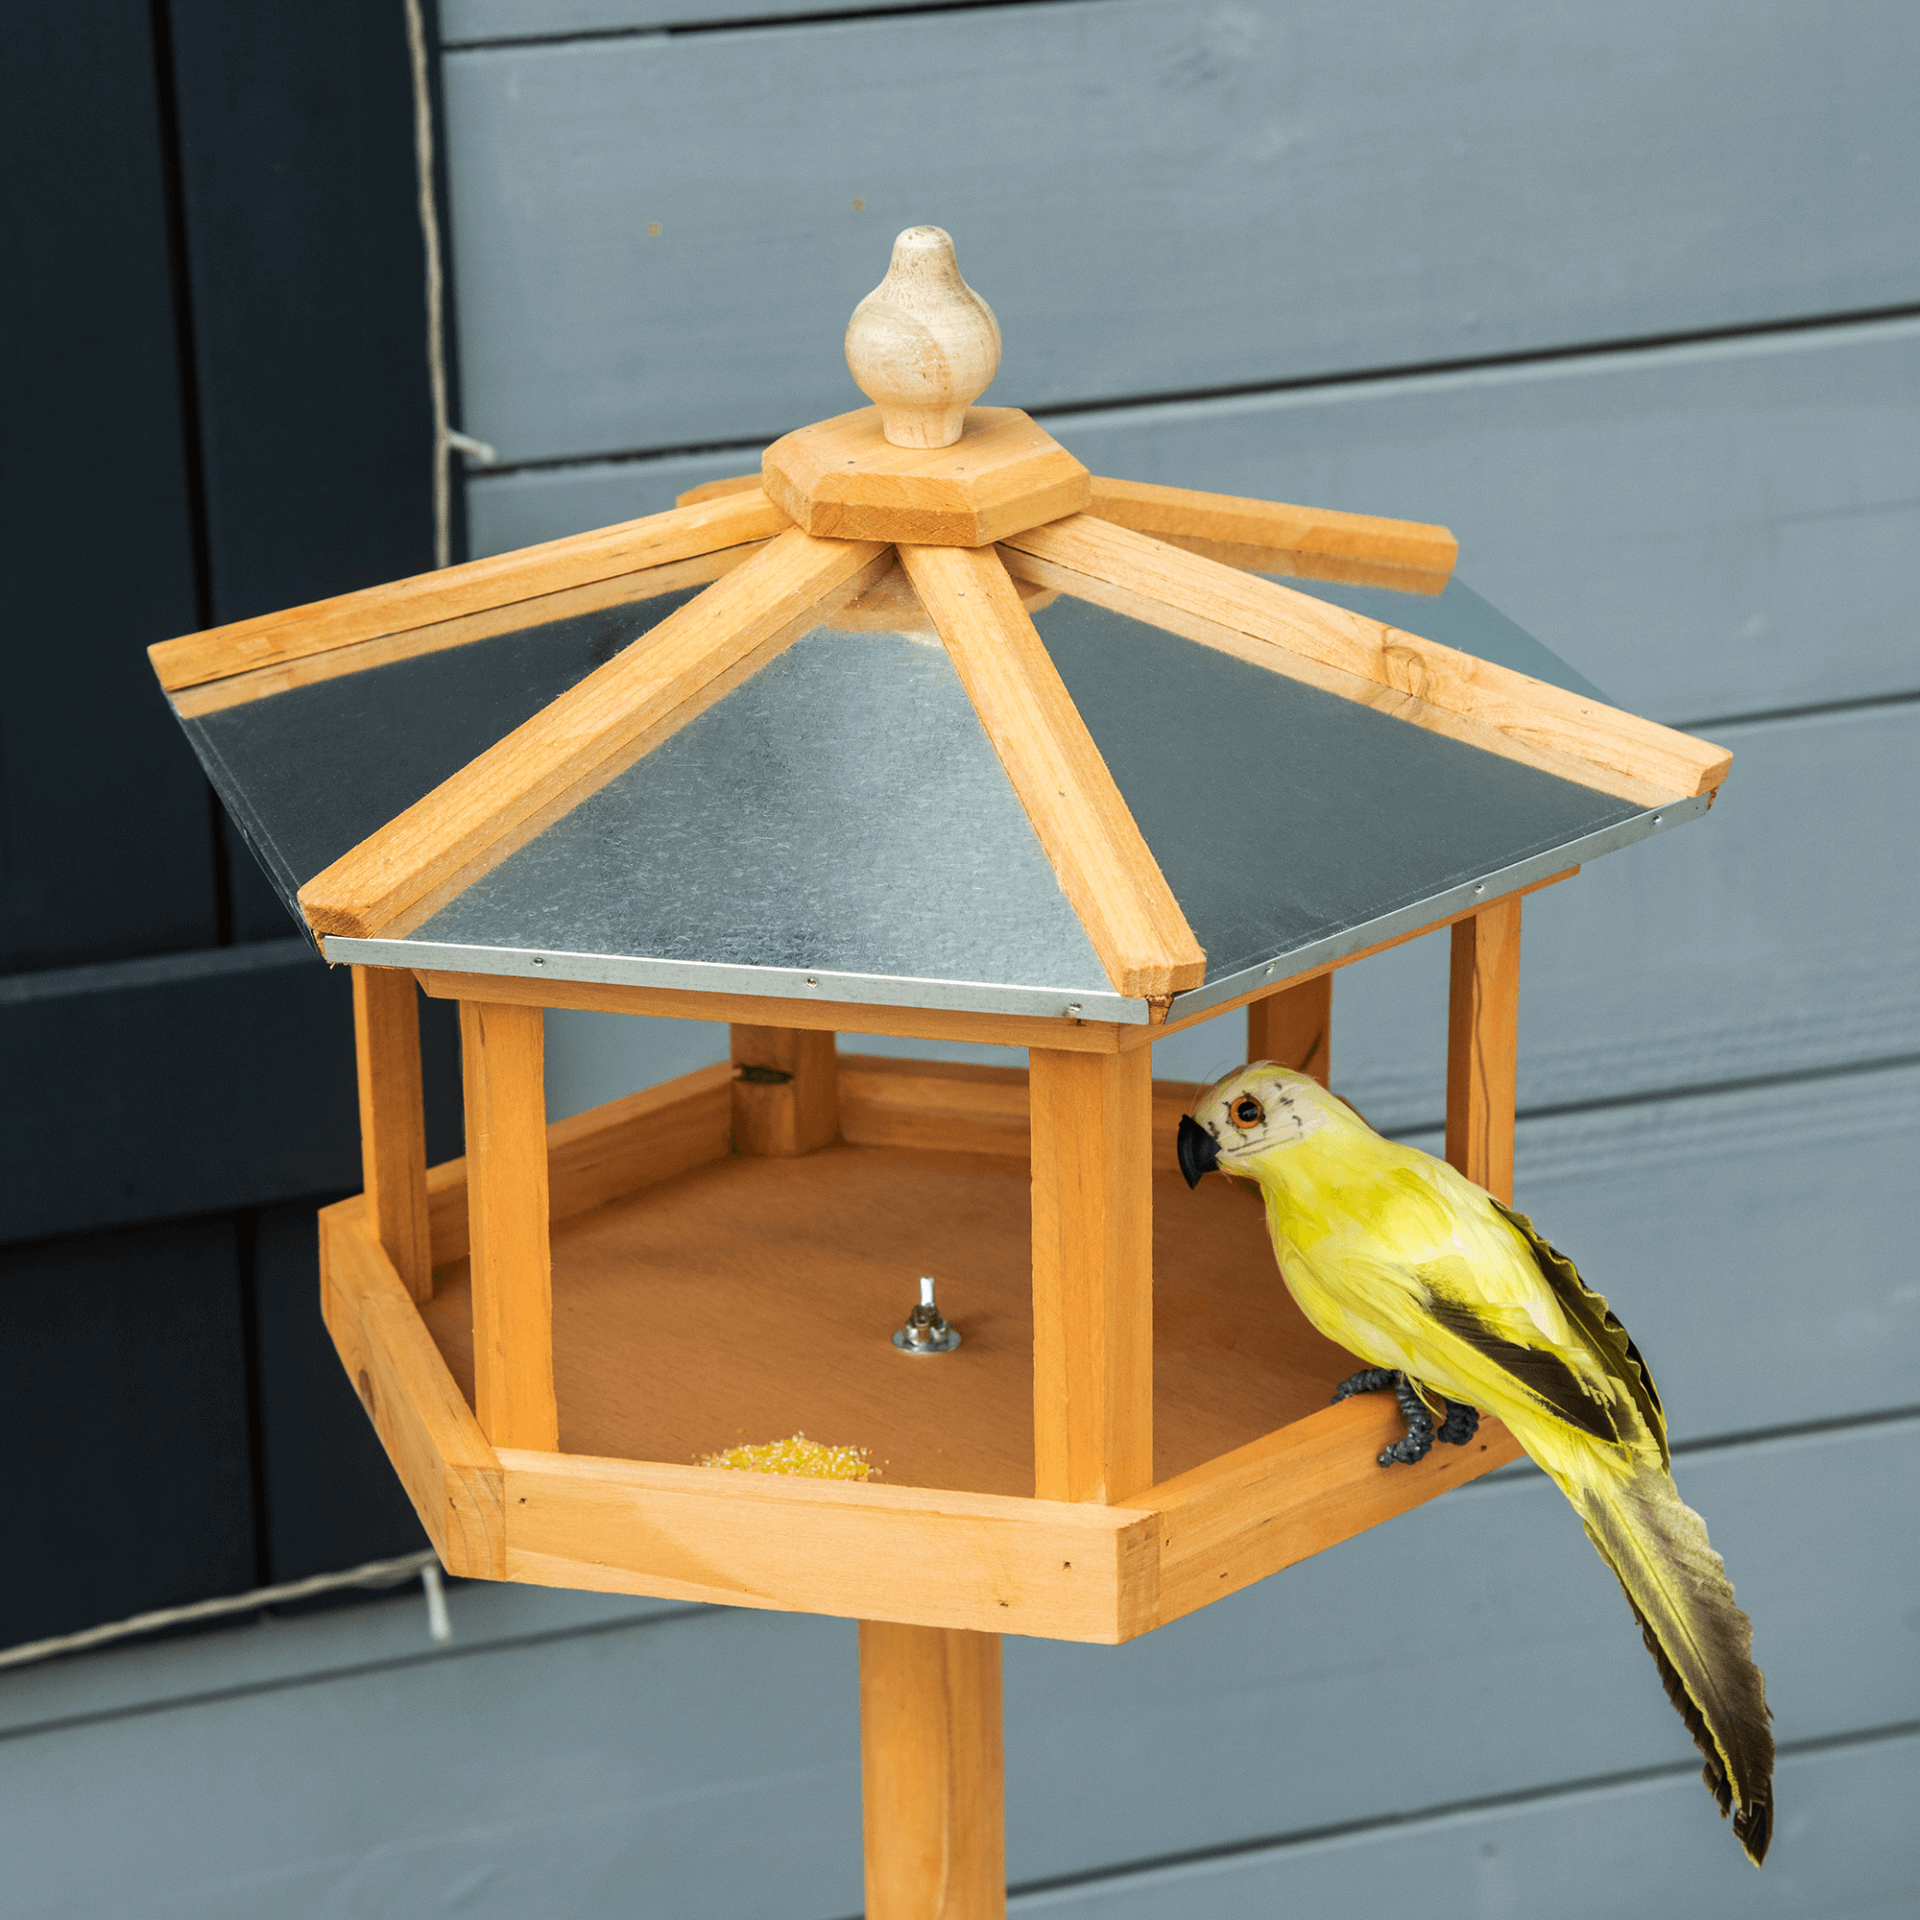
(1395, 1256)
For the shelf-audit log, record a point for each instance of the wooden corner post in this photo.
(1092, 1273)
(502, 1063)
(1294, 1027)
(932, 1773)
(393, 1125)
(1483, 1033)
(786, 1098)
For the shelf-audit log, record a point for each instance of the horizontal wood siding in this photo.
(1257, 193)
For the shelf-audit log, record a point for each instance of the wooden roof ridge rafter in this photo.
(1101, 859)
(475, 586)
(592, 732)
(1637, 759)
(1181, 513)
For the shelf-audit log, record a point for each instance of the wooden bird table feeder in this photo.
(921, 731)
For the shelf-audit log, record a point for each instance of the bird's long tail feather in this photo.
(1700, 1640)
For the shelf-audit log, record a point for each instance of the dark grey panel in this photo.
(309, 773)
(123, 1393)
(220, 1078)
(1282, 815)
(843, 810)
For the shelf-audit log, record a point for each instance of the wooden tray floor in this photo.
(750, 1299)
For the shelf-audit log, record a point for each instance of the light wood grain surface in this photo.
(476, 587)
(1232, 521)
(671, 1371)
(511, 1293)
(1104, 866)
(1483, 1041)
(1094, 1344)
(840, 477)
(431, 1437)
(932, 1774)
(1294, 1027)
(791, 1114)
(393, 1125)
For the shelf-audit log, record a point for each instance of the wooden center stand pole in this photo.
(932, 1785)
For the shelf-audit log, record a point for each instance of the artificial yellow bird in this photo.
(1446, 1293)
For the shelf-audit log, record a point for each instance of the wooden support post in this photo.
(1483, 1027)
(501, 1058)
(1294, 1027)
(932, 1777)
(1092, 1273)
(786, 1098)
(393, 1124)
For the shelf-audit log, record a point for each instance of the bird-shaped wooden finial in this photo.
(923, 345)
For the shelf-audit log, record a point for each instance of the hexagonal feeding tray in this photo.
(1068, 793)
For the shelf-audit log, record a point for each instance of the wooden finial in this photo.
(923, 345)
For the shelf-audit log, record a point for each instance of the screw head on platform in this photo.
(923, 346)
(927, 1331)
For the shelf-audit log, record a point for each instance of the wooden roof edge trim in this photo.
(632, 546)
(544, 766)
(1102, 860)
(1238, 521)
(1609, 739)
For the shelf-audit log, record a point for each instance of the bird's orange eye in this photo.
(1248, 1112)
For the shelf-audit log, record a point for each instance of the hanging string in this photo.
(446, 437)
(373, 1573)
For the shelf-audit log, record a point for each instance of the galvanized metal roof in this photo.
(839, 826)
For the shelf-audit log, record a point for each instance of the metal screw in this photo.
(926, 1331)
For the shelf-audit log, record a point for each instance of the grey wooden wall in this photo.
(1630, 298)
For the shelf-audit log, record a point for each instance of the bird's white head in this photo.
(1254, 1111)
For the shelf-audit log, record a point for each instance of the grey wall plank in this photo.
(1761, 939)
(1156, 198)
(1847, 1846)
(1480, 1635)
(705, 1763)
(1704, 530)
(705, 1768)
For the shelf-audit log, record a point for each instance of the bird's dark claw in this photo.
(1367, 1380)
(1460, 1425)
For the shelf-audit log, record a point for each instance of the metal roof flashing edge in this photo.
(778, 983)
(1440, 906)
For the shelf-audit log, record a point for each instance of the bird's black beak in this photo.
(1199, 1151)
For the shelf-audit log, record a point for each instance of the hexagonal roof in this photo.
(1091, 768)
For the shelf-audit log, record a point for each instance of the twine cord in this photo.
(372, 1573)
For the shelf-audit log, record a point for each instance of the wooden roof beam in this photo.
(594, 730)
(477, 586)
(1103, 863)
(1634, 758)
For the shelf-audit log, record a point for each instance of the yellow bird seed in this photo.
(799, 1455)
